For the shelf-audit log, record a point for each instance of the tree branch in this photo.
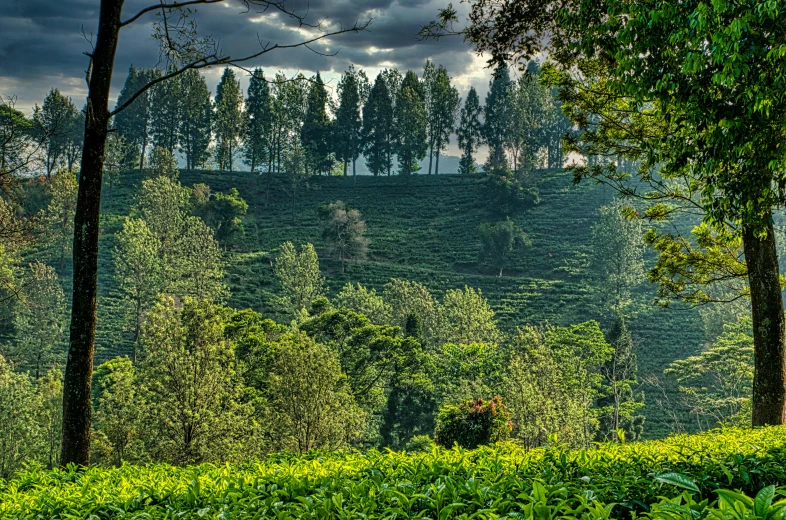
(175, 5)
(213, 60)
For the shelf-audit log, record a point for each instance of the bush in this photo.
(473, 423)
(419, 443)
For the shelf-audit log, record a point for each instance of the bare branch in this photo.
(175, 5)
(214, 60)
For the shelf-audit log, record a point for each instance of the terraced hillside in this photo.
(423, 228)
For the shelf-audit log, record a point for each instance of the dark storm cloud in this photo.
(42, 44)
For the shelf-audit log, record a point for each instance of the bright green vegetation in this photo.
(423, 228)
(684, 476)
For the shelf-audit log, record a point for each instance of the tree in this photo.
(133, 123)
(163, 204)
(192, 391)
(553, 383)
(19, 144)
(196, 119)
(498, 118)
(60, 212)
(499, 241)
(410, 122)
(618, 254)
(298, 273)
(716, 384)
(702, 163)
(443, 106)
(228, 122)
(469, 132)
(39, 322)
(348, 126)
(117, 409)
(360, 299)
(619, 402)
(531, 103)
(53, 121)
(139, 271)
(199, 268)
(166, 114)
(184, 52)
(223, 212)
(74, 135)
(467, 317)
(259, 121)
(378, 129)
(312, 405)
(315, 133)
(162, 163)
(344, 232)
(20, 434)
(407, 299)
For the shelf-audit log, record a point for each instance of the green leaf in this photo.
(680, 481)
(764, 501)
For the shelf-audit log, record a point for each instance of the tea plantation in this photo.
(721, 475)
(422, 228)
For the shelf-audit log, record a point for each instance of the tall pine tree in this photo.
(378, 128)
(197, 114)
(166, 109)
(410, 124)
(315, 134)
(259, 121)
(470, 132)
(445, 105)
(133, 123)
(348, 126)
(498, 117)
(228, 119)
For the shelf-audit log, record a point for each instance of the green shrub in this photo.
(419, 443)
(473, 423)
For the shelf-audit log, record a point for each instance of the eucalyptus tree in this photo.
(196, 121)
(133, 122)
(53, 120)
(315, 133)
(498, 116)
(445, 105)
(166, 114)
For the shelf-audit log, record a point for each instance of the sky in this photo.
(44, 42)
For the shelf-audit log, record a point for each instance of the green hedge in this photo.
(491, 482)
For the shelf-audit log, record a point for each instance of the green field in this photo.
(683, 477)
(422, 228)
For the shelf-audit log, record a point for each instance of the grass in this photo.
(423, 228)
(679, 477)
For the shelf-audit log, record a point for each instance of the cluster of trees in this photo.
(295, 125)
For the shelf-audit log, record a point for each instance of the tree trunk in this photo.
(436, 166)
(79, 366)
(354, 171)
(769, 381)
(430, 157)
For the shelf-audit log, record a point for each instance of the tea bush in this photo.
(720, 475)
(473, 423)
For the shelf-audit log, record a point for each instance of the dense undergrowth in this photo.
(685, 476)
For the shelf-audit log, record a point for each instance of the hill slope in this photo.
(423, 228)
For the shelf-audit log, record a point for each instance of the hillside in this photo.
(423, 228)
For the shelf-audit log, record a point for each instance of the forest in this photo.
(272, 300)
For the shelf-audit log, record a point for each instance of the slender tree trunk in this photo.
(430, 156)
(354, 171)
(436, 167)
(769, 382)
(79, 366)
(345, 168)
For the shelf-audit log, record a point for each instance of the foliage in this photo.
(311, 403)
(299, 276)
(410, 122)
(618, 254)
(315, 133)
(353, 89)
(499, 241)
(197, 117)
(508, 192)
(362, 300)
(162, 163)
(20, 435)
(228, 119)
(681, 477)
(259, 121)
(117, 412)
(472, 423)
(133, 123)
(344, 232)
(60, 212)
(192, 390)
(469, 132)
(466, 317)
(498, 118)
(716, 384)
(223, 212)
(378, 129)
